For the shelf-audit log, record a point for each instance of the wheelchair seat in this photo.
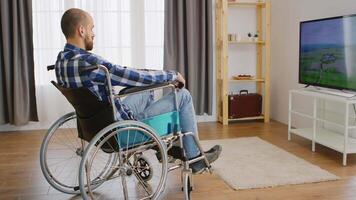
(92, 114)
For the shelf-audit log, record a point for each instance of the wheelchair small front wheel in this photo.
(187, 186)
(137, 173)
(142, 167)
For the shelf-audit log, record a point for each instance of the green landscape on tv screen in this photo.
(328, 53)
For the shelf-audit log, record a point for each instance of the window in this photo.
(128, 32)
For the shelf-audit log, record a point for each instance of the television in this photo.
(327, 53)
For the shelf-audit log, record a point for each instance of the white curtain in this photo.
(128, 32)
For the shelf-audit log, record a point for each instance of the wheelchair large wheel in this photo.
(61, 153)
(137, 174)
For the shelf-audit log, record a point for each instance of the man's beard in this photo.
(88, 44)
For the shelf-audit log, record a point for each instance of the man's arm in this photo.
(124, 76)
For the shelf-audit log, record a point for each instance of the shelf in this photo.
(244, 80)
(248, 80)
(247, 42)
(301, 114)
(327, 138)
(239, 3)
(329, 117)
(335, 118)
(247, 118)
(324, 96)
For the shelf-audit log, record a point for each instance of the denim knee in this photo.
(185, 95)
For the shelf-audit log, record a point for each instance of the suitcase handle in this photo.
(243, 91)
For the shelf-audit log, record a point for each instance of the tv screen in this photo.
(327, 52)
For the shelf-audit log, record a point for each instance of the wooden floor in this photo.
(21, 177)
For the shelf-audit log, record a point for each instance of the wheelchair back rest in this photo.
(92, 114)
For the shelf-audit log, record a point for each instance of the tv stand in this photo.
(332, 92)
(323, 121)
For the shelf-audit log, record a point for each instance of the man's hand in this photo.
(180, 80)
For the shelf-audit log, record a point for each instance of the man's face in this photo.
(89, 34)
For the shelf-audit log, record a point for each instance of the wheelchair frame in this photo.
(164, 143)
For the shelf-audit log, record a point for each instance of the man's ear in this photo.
(81, 30)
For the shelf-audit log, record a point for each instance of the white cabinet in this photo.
(324, 121)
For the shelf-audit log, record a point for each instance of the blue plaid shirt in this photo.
(73, 58)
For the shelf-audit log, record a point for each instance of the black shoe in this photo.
(211, 155)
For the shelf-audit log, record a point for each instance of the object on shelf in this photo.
(252, 37)
(245, 105)
(255, 37)
(231, 37)
(243, 77)
(234, 37)
(249, 35)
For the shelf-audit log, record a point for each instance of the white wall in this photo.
(285, 18)
(242, 58)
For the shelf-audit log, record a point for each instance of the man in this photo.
(77, 26)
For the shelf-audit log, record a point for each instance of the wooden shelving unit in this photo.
(262, 77)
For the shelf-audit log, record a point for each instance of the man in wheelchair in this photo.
(77, 26)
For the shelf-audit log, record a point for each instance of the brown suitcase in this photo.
(245, 105)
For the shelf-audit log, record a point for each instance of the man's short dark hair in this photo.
(71, 19)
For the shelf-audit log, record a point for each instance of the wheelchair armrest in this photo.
(130, 90)
(90, 68)
(51, 67)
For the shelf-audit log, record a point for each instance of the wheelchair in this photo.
(89, 152)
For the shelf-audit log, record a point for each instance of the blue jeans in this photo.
(143, 106)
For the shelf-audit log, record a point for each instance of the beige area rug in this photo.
(251, 162)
